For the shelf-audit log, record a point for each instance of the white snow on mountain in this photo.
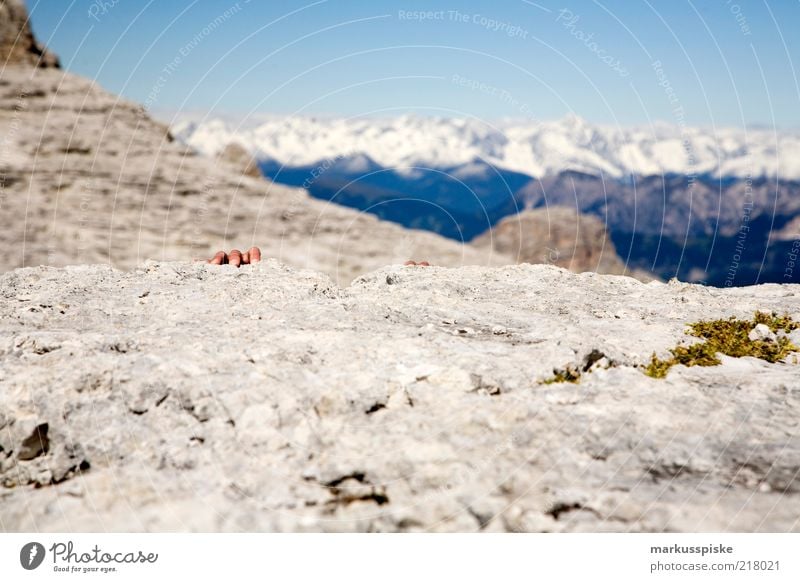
(536, 149)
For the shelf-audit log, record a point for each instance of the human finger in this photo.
(235, 257)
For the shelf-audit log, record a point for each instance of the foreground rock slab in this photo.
(181, 396)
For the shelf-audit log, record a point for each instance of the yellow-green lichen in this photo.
(571, 376)
(732, 338)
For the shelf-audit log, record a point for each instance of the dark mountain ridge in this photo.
(721, 231)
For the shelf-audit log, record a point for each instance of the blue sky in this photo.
(618, 62)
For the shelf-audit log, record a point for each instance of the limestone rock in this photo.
(762, 333)
(17, 43)
(239, 158)
(108, 185)
(557, 236)
(186, 397)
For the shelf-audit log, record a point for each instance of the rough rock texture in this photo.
(182, 396)
(557, 236)
(240, 159)
(88, 178)
(17, 43)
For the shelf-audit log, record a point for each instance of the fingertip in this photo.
(235, 257)
(255, 255)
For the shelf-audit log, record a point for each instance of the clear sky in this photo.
(699, 62)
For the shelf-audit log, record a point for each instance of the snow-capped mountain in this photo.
(535, 149)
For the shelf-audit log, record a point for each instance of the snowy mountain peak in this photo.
(536, 149)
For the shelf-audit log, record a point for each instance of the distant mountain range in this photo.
(536, 149)
(719, 206)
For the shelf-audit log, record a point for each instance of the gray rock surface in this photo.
(762, 333)
(181, 396)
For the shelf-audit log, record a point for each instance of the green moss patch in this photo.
(572, 372)
(729, 337)
(571, 376)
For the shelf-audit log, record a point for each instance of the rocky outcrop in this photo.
(186, 397)
(557, 236)
(790, 232)
(17, 43)
(239, 158)
(86, 177)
